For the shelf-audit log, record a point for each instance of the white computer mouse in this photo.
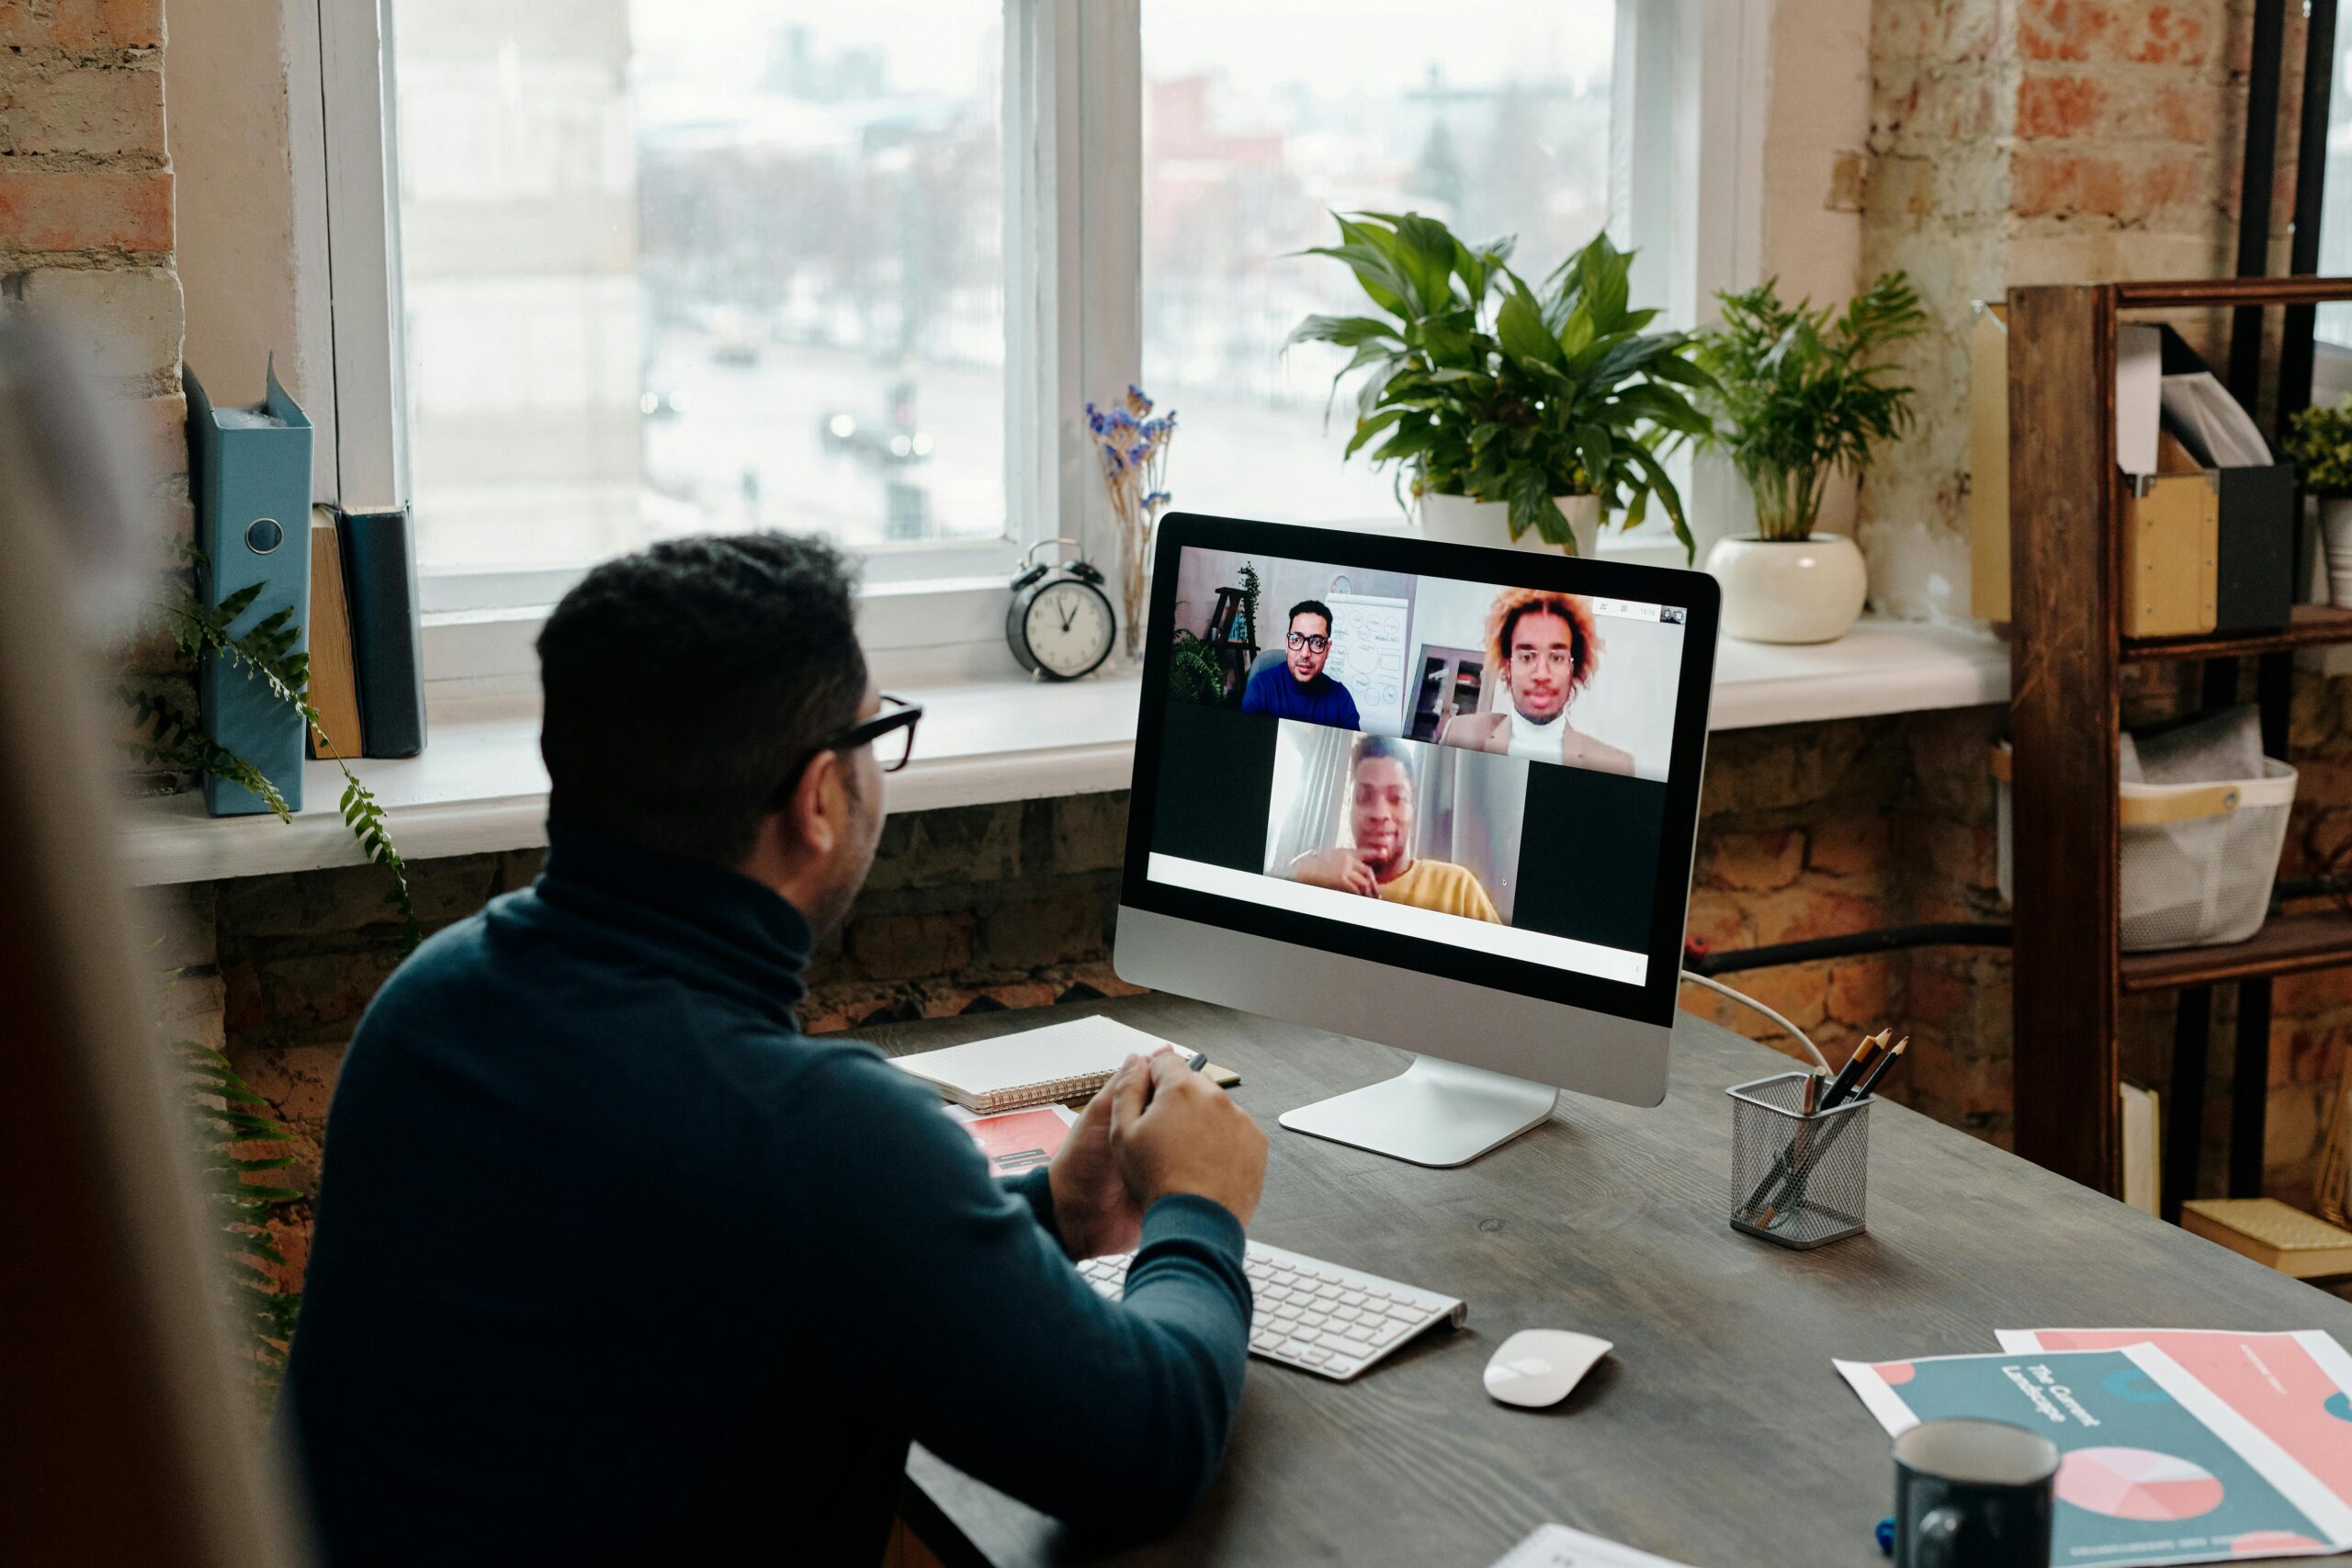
(1537, 1367)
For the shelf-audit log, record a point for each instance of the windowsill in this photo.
(480, 785)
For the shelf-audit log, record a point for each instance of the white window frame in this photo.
(1692, 131)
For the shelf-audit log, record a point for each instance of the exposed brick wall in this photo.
(1807, 830)
(2022, 142)
(86, 227)
(971, 909)
(1824, 829)
(86, 207)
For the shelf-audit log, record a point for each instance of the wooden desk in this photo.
(1718, 1434)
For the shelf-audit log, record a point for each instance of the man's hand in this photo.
(1172, 1131)
(1337, 869)
(1093, 1207)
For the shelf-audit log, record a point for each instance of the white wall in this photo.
(1817, 125)
(229, 116)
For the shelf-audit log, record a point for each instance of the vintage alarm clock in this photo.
(1060, 623)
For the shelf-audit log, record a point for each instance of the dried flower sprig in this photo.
(1133, 442)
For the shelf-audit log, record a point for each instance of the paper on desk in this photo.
(1015, 1141)
(2296, 1389)
(1557, 1546)
(2158, 1469)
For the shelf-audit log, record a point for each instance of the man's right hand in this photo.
(1172, 1131)
(1339, 870)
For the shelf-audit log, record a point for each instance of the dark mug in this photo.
(1973, 1494)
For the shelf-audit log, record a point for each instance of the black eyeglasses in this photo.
(1300, 639)
(891, 733)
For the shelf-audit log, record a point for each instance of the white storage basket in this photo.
(2198, 859)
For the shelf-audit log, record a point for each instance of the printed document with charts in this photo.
(2158, 1466)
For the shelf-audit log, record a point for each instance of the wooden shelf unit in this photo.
(2313, 626)
(2289, 944)
(2066, 496)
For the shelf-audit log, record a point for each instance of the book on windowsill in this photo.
(335, 677)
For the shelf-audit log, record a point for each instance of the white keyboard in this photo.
(1315, 1315)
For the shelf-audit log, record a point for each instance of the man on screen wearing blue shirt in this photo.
(1297, 688)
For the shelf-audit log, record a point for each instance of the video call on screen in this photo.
(1470, 763)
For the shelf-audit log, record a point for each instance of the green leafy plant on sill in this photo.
(1800, 393)
(1478, 386)
(2320, 441)
(264, 652)
(224, 1115)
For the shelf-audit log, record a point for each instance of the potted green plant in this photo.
(2320, 440)
(1521, 415)
(1798, 394)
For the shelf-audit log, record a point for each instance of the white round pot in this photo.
(1458, 519)
(1790, 590)
(2336, 529)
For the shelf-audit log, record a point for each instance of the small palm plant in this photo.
(1483, 387)
(1799, 394)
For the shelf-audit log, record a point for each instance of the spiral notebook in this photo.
(1038, 1067)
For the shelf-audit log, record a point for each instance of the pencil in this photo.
(1864, 1055)
(1879, 1069)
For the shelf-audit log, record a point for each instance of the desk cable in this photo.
(1748, 1001)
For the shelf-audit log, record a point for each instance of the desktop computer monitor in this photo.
(1435, 796)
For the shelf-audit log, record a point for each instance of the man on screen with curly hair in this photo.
(1543, 649)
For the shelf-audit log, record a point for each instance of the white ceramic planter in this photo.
(1458, 519)
(2335, 530)
(1790, 590)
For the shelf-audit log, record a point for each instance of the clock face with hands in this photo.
(1069, 629)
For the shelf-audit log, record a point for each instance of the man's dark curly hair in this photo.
(685, 682)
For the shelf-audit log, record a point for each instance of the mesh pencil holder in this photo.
(1797, 1180)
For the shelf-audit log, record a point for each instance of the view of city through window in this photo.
(1260, 120)
(734, 264)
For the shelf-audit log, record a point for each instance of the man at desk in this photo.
(613, 1264)
(1297, 687)
(1547, 649)
(1382, 864)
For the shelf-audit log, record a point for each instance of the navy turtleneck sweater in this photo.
(612, 1264)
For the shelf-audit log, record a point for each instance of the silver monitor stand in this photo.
(1435, 1112)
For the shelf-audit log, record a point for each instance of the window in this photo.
(612, 270)
(669, 268)
(1260, 120)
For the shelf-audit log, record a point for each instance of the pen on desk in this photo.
(1782, 1162)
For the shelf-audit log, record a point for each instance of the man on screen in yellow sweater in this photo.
(1382, 864)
